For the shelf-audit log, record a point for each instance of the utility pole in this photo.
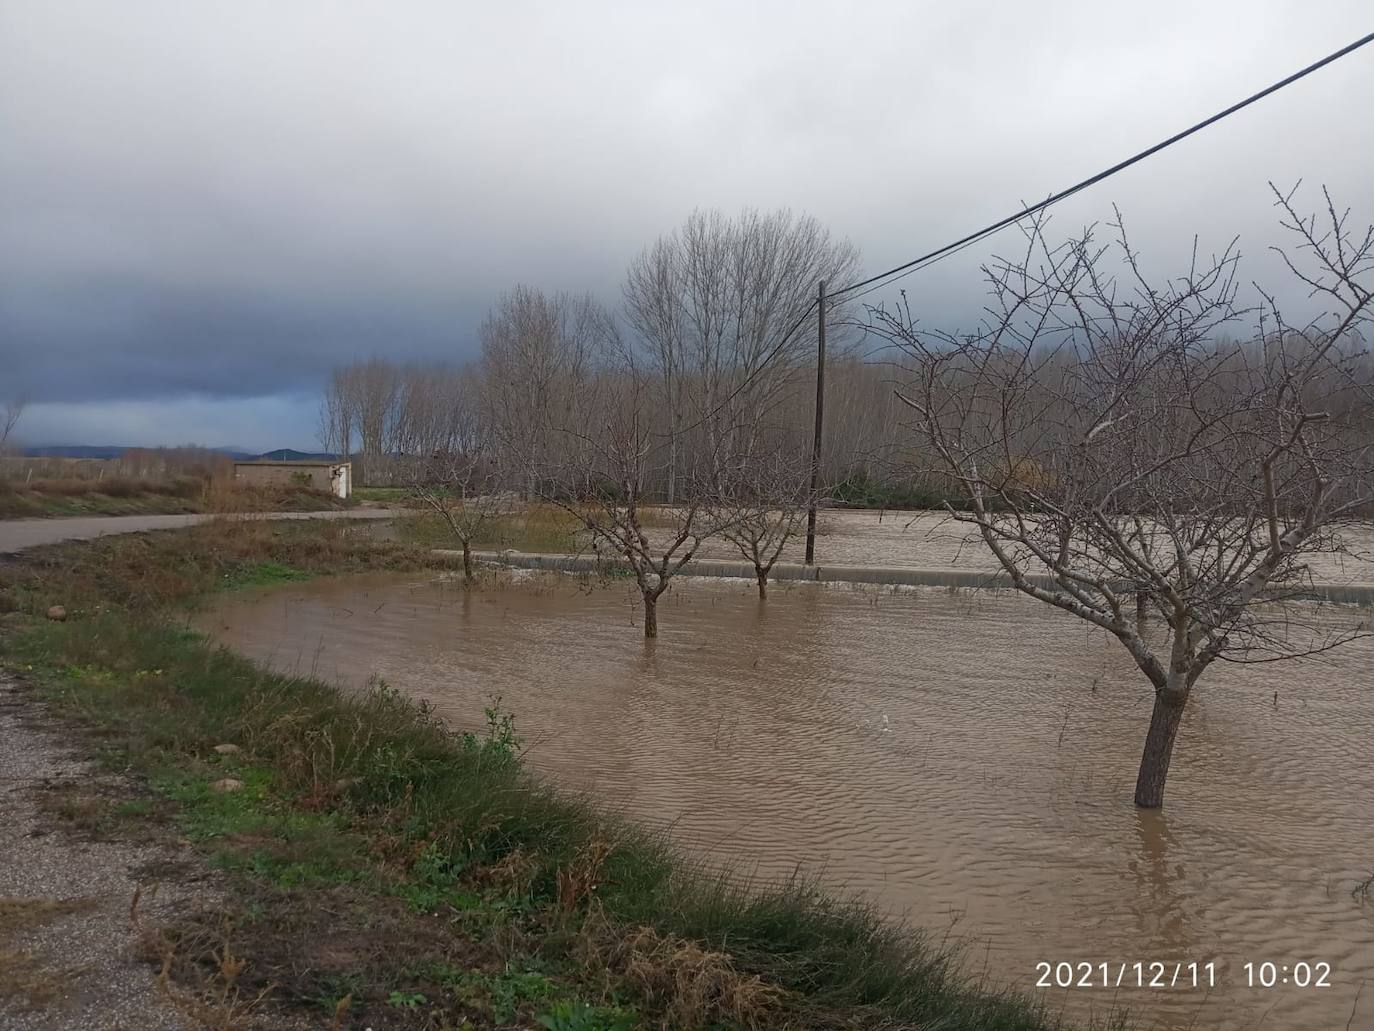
(820, 420)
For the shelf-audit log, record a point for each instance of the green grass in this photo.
(381, 494)
(427, 876)
(862, 492)
(264, 574)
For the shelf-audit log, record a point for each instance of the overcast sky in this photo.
(206, 205)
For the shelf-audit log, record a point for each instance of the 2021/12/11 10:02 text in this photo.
(1158, 974)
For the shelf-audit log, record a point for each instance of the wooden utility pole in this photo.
(820, 420)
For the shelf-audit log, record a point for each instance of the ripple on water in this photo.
(966, 760)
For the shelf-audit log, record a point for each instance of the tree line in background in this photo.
(704, 311)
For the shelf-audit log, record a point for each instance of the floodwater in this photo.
(966, 760)
(932, 540)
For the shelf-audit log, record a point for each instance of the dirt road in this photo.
(18, 534)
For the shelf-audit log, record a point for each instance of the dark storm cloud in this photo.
(222, 200)
(153, 341)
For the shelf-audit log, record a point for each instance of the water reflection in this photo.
(1163, 922)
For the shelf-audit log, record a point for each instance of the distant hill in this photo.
(108, 451)
(288, 454)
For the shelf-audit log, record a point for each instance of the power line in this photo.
(935, 255)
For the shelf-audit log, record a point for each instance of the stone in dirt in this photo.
(228, 784)
(227, 749)
(57, 613)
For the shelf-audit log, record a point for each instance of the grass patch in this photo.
(394, 872)
(862, 492)
(264, 574)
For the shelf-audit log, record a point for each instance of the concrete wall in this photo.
(331, 477)
(1348, 593)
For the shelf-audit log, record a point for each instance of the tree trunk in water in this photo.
(1142, 609)
(650, 616)
(467, 563)
(1159, 748)
(762, 574)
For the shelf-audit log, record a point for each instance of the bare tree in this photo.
(653, 307)
(461, 479)
(374, 390)
(602, 466)
(760, 503)
(9, 418)
(336, 416)
(464, 491)
(536, 349)
(1114, 444)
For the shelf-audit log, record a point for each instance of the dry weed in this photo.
(692, 986)
(28, 981)
(210, 995)
(577, 882)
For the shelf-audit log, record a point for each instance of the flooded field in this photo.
(931, 540)
(966, 760)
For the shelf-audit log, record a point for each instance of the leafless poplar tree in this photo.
(361, 399)
(337, 417)
(652, 305)
(712, 304)
(536, 350)
(1114, 445)
(374, 388)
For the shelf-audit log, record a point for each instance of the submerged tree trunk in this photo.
(467, 562)
(650, 615)
(1159, 747)
(762, 574)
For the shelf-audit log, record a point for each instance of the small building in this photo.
(332, 477)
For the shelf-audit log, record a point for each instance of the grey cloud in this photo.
(224, 199)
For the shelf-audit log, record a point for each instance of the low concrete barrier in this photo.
(1344, 593)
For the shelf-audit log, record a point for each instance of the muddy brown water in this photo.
(965, 760)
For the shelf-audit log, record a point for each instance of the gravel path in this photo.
(78, 956)
(67, 933)
(17, 534)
